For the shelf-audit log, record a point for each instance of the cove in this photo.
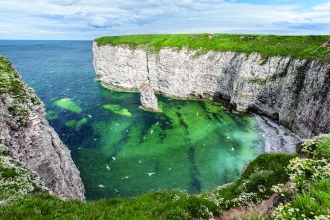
(121, 150)
(190, 145)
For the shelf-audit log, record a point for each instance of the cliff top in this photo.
(302, 47)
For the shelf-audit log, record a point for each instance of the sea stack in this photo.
(148, 98)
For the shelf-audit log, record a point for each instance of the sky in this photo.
(89, 19)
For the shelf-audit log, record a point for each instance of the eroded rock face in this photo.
(296, 92)
(26, 132)
(148, 99)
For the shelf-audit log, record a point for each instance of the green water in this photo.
(191, 145)
(187, 146)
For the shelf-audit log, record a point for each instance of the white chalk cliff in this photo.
(296, 92)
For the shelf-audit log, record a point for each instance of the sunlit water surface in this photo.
(120, 149)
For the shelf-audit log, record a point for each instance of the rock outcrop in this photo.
(148, 99)
(26, 132)
(293, 91)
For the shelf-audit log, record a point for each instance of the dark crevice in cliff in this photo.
(147, 62)
(284, 71)
(300, 76)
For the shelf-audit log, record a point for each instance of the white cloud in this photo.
(187, 1)
(100, 22)
(322, 7)
(87, 19)
(63, 2)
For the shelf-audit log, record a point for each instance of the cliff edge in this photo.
(27, 134)
(291, 90)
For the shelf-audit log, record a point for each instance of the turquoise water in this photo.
(120, 149)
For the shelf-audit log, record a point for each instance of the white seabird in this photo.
(113, 158)
(232, 148)
(150, 174)
(89, 116)
(151, 131)
(108, 167)
(101, 186)
(157, 122)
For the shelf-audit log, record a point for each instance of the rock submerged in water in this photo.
(148, 99)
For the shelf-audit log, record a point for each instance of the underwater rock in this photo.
(27, 134)
(68, 104)
(118, 110)
(148, 99)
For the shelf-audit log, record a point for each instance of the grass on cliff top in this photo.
(9, 79)
(303, 47)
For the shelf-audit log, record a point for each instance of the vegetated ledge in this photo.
(25, 131)
(299, 47)
(284, 77)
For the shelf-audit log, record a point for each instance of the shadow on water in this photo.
(195, 183)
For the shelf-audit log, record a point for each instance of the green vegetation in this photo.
(256, 182)
(15, 179)
(303, 47)
(20, 96)
(118, 110)
(10, 81)
(308, 197)
(68, 105)
(258, 81)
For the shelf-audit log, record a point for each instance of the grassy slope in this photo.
(311, 196)
(267, 45)
(154, 205)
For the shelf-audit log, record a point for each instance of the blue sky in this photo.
(88, 19)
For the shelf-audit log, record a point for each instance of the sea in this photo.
(121, 150)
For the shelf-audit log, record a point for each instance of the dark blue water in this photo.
(121, 150)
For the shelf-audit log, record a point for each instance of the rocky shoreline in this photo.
(277, 138)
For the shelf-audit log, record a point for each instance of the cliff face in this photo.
(296, 92)
(26, 132)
